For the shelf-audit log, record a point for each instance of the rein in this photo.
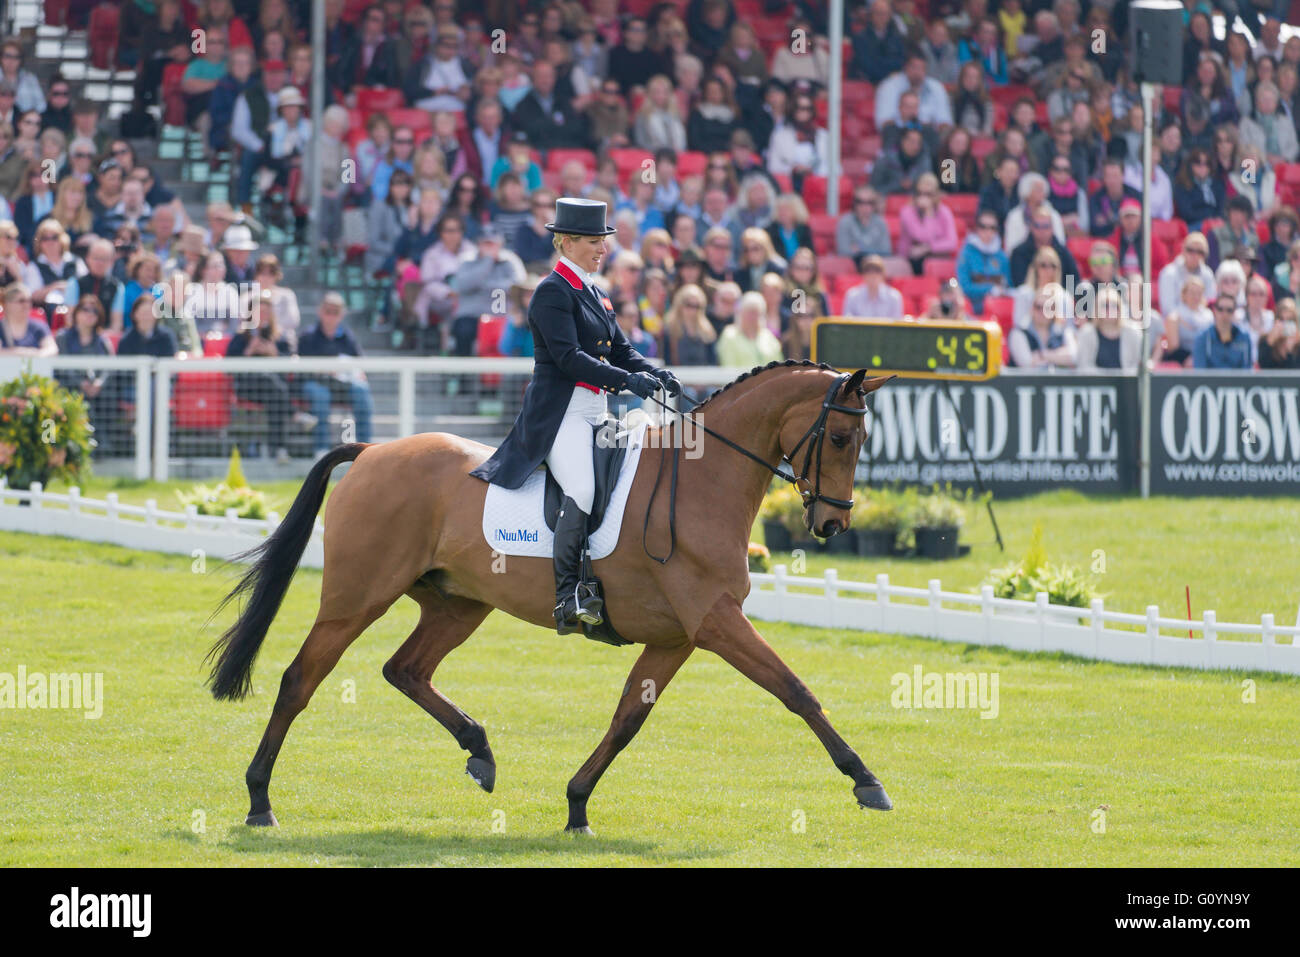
(816, 432)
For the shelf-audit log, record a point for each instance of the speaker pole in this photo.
(1144, 357)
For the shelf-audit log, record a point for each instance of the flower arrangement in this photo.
(1064, 584)
(231, 492)
(760, 559)
(45, 432)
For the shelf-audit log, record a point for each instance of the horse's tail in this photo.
(274, 562)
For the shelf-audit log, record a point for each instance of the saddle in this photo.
(607, 460)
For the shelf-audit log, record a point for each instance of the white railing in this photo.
(825, 602)
(146, 527)
(982, 619)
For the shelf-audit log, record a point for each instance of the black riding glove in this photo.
(671, 385)
(641, 384)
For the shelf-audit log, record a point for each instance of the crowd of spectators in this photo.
(990, 168)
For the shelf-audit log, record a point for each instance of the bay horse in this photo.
(406, 519)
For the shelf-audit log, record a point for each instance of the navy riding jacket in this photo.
(576, 338)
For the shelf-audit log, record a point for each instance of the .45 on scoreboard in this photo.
(917, 348)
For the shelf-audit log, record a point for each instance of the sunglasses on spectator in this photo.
(986, 225)
(1046, 264)
(1225, 309)
(1061, 168)
(1101, 260)
(1047, 224)
(54, 93)
(404, 141)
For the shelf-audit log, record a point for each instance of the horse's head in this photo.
(825, 449)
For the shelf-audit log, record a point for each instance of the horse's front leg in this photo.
(650, 675)
(729, 634)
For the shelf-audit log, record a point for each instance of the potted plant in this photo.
(233, 492)
(45, 432)
(936, 521)
(879, 521)
(1064, 584)
(760, 559)
(782, 516)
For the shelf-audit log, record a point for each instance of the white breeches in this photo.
(570, 458)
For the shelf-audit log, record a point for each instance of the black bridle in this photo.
(815, 437)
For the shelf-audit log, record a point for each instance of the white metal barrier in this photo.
(826, 602)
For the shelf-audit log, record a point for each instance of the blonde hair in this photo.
(557, 240)
(81, 221)
(675, 322)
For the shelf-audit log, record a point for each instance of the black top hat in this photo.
(582, 217)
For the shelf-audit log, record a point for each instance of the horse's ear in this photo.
(872, 384)
(854, 384)
(864, 386)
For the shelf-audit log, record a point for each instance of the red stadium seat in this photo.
(895, 202)
(823, 230)
(1079, 248)
(963, 205)
(1288, 173)
(982, 146)
(216, 348)
(916, 287)
(832, 265)
(843, 282)
(102, 36)
(172, 97)
(1169, 230)
(376, 99)
(420, 121)
(628, 159)
(1000, 309)
(202, 401)
(488, 343)
(939, 268)
(691, 163)
(558, 157)
(1010, 93)
(56, 13)
(1173, 98)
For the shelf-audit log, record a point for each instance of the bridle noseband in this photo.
(815, 437)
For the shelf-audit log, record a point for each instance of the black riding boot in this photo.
(574, 605)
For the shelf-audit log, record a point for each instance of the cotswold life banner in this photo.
(1225, 433)
(1211, 433)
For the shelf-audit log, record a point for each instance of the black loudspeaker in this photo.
(1157, 44)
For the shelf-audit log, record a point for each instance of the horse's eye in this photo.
(839, 441)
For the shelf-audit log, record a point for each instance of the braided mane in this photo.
(775, 364)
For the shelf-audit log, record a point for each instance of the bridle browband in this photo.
(815, 437)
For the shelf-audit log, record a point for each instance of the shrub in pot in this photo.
(45, 432)
(936, 523)
(878, 522)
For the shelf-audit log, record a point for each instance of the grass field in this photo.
(1181, 769)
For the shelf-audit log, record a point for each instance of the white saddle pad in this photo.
(513, 523)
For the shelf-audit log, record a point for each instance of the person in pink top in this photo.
(926, 227)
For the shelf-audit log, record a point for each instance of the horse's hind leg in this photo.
(319, 654)
(444, 625)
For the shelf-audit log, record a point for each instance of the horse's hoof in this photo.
(483, 772)
(584, 831)
(265, 819)
(873, 796)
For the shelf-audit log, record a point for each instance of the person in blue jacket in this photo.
(579, 355)
(982, 266)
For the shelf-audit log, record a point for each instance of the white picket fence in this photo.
(825, 602)
(982, 619)
(147, 528)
